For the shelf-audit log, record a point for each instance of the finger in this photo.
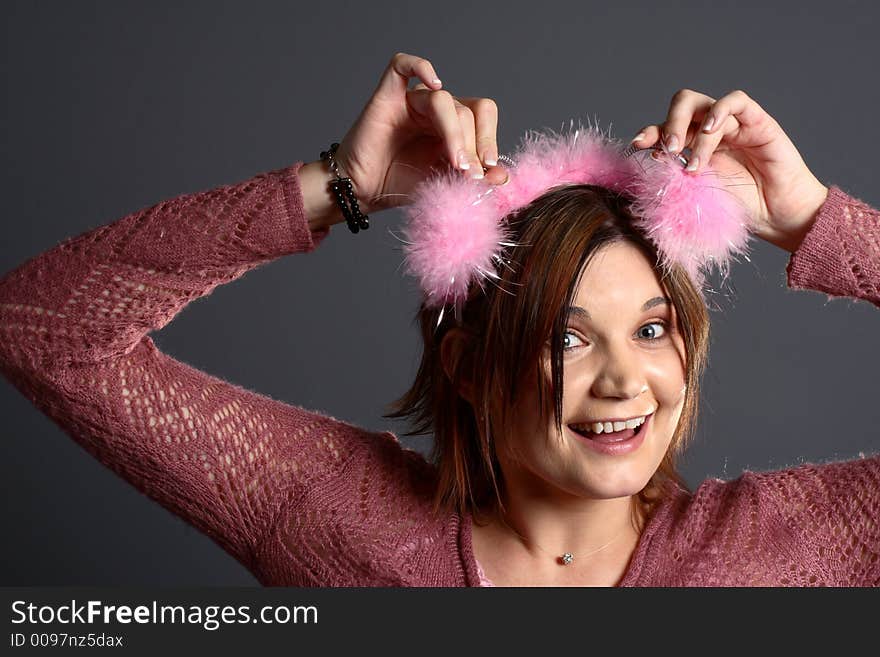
(738, 104)
(440, 110)
(705, 144)
(728, 117)
(686, 107)
(650, 137)
(485, 112)
(646, 137)
(469, 131)
(400, 69)
(498, 175)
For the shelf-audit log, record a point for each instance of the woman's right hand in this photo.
(401, 134)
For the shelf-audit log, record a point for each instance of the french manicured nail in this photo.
(463, 161)
(672, 143)
(436, 81)
(710, 121)
(490, 160)
(693, 164)
(638, 137)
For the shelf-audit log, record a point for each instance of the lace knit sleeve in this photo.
(809, 525)
(73, 326)
(830, 516)
(840, 255)
(835, 507)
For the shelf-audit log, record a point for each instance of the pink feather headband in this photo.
(456, 234)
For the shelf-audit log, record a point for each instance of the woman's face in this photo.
(623, 358)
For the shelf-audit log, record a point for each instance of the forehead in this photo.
(618, 275)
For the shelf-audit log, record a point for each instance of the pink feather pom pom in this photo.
(692, 219)
(547, 160)
(456, 233)
(452, 236)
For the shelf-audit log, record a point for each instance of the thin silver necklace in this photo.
(566, 557)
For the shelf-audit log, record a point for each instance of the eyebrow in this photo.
(577, 311)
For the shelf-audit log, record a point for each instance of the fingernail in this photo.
(710, 121)
(478, 173)
(436, 81)
(693, 163)
(490, 160)
(672, 143)
(638, 137)
(463, 161)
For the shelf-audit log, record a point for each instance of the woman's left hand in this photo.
(745, 145)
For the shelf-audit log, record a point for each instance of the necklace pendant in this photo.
(567, 558)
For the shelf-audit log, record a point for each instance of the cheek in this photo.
(667, 381)
(666, 378)
(667, 372)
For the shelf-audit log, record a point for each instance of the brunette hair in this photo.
(508, 329)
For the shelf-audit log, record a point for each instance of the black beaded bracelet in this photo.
(342, 189)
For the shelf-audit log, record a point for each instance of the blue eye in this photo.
(654, 335)
(650, 336)
(566, 346)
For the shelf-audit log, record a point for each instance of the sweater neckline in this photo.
(630, 577)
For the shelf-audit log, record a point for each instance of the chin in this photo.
(623, 486)
(609, 477)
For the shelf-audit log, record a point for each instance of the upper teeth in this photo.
(608, 427)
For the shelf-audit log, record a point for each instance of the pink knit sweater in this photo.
(304, 499)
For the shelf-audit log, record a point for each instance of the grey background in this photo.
(111, 107)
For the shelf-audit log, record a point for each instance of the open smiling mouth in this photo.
(611, 436)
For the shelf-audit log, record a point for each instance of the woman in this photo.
(304, 499)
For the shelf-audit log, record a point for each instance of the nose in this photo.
(620, 376)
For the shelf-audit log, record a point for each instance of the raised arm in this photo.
(834, 239)
(74, 339)
(94, 297)
(812, 524)
(75, 321)
(836, 506)
(840, 255)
